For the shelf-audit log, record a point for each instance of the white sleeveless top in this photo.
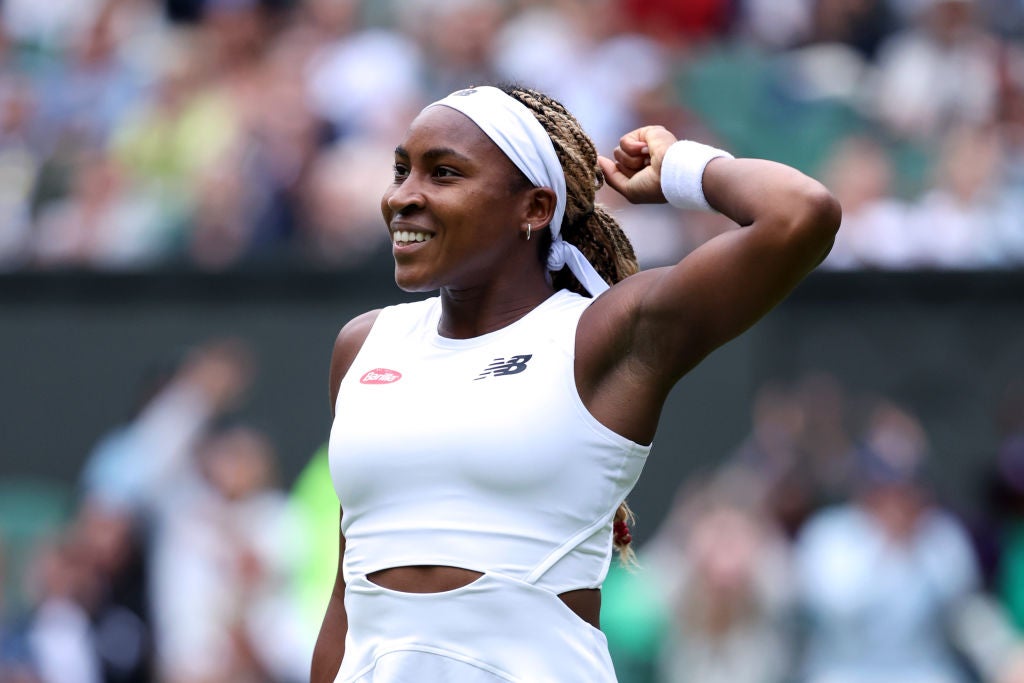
(477, 453)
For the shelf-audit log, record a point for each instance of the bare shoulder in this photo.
(350, 339)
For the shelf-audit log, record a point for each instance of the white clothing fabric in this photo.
(495, 629)
(476, 453)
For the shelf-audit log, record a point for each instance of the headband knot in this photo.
(518, 133)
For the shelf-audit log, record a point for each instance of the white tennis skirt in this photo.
(492, 630)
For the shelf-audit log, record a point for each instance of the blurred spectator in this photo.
(342, 209)
(770, 450)
(882, 577)
(457, 37)
(725, 571)
(167, 143)
(223, 567)
(364, 82)
(774, 24)
(939, 72)
(88, 92)
(129, 465)
(799, 451)
(955, 221)
(122, 629)
(100, 224)
(877, 231)
(860, 24)
(59, 633)
(220, 531)
(19, 166)
(89, 619)
(1010, 178)
(51, 25)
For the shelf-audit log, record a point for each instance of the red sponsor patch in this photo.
(380, 376)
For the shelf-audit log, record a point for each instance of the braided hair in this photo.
(587, 225)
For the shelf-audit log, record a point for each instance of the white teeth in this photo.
(407, 236)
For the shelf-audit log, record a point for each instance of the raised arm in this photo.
(330, 643)
(650, 329)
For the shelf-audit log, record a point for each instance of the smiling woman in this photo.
(482, 484)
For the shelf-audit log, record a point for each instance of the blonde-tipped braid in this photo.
(587, 225)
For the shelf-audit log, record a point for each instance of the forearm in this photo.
(784, 210)
(330, 644)
(779, 200)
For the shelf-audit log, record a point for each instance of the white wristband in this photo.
(682, 173)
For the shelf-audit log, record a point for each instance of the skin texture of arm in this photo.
(636, 341)
(330, 644)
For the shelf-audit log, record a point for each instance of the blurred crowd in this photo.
(136, 134)
(820, 552)
(817, 551)
(181, 556)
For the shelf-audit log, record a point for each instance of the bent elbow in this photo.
(817, 223)
(824, 214)
(831, 213)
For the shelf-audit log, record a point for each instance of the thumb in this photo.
(613, 175)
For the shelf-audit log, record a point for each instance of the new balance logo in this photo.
(500, 366)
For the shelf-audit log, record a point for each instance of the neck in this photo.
(471, 312)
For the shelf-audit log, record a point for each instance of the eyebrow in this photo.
(434, 153)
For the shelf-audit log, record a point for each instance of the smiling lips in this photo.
(401, 237)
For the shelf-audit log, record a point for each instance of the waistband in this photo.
(496, 628)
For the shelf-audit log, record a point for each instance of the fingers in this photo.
(634, 167)
(634, 143)
(630, 163)
(650, 142)
(639, 187)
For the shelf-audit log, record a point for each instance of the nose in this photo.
(404, 196)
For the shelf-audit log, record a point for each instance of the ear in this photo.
(540, 207)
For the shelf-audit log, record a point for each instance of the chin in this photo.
(408, 282)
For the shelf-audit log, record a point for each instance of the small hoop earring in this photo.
(529, 229)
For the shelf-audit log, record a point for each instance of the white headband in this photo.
(518, 133)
